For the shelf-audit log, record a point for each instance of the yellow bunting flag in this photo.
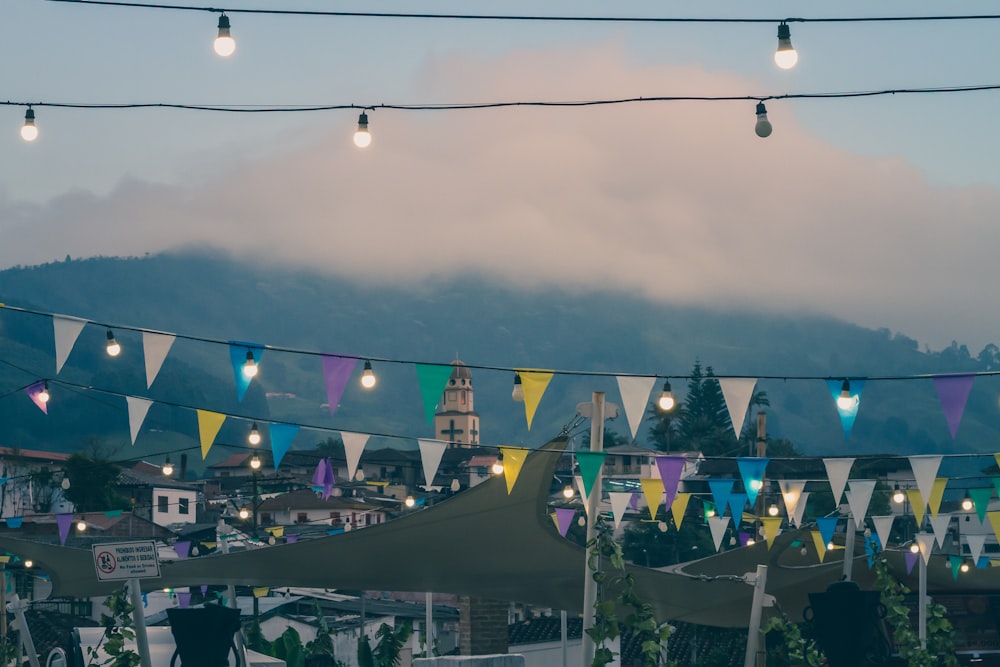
(994, 518)
(513, 459)
(820, 545)
(534, 384)
(997, 457)
(209, 424)
(772, 526)
(937, 493)
(653, 489)
(208, 545)
(917, 503)
(276, 531)
(555, 519)
(678, 507)
(261, 591)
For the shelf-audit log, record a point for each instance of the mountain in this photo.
(207, 299)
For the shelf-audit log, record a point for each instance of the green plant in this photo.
(799, 651)
(365, 657)
(323, 643)
(288, 647)
(256, 640)
(639, 622)
(117, 630)
(389, 647)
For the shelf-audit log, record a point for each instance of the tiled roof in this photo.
(307, 499)
(33, 454)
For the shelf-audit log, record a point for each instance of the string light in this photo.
(409, 502)
(763, 127)
(964, 567)
(224, 44)
(254, 437)
(786, 56)
(518, 392)
(497, 467)
(113, 348)
(255, 462)
(967, 503)
(568, 492)
(29, 563)
(81, 525)
(898, 496)
(362, 138)
(44, 395)
(244, 513)
(250, 367)
(455, 485)
(168, 468)
(666, 401)
(29, 132)
(845, 401)
(773, 510)
(368, 378)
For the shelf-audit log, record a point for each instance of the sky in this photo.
(882, 211)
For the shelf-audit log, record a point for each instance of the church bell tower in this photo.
(458, 422)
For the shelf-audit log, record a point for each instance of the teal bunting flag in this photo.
(238, 355)
(590, 465)
(827, 527)
(847, 414)
(752, 472)
(721, 488)
(981, 501)
(433, 378)
(281, 439)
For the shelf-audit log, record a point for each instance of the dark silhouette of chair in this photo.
(204, 635)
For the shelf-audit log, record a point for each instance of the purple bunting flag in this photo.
(336, 372)
(64, 521)
(670, 468)
(564, 519)
(953, 390)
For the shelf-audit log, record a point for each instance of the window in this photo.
(301, 517)
(265, 518)
(182, 505)
(162, 505)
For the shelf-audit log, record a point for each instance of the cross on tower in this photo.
(451, 431)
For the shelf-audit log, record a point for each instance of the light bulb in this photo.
(409, 502)
(518, 392)
(244, 513)
(786, 56)
(662, 526)
(362, 138)
(497, 467)
(254, 437)
(168, 468)
(773, 510)
(29, 563)
(964, 567)
(914, 548)
(568, 492)
(250, 367)
(751, 541)
(710, 512)
(791, 498)
(81, 525)
(763, 127)
(29, 132)
(255, 463)
(368, 379)
(830, 546)
(756, 484)
(803, 551)
(967, 503)
(845, 401)
(455, 485)
(113, 348)
(64, 483)
(359, 476)
(44, 395)
(582, 521)
(224, 44)
(898, 496)
(666, 401)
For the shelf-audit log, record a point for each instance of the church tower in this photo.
(458, 422)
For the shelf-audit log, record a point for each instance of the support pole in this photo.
(564, 637)
(922, 603)
(849, 536)
(589, 585)
(139, 620)
(429, 623)
(220, 538)
(753, 630)
(27, 643)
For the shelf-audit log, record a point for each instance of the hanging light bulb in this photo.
(362, 138)
(518, 392)
(666, 401)
(455, 485)
(409, 502)
(830, 546)
(914, 548)
(255, 463)
(81, 526)
(244, 513)
(64, 483)
(168, 467)
(568, 492)
(497, 467)
(224, 44)
(964, 567)
(846, 401)
(29, 563)
(113, 348)
(763, 127)
(751, 541)
(29, 132)
(250, 367)
(967, 503)
(898, 496)
(786, 56)
(44, 395)
(368, 378)
(773, 510)
(254, 437)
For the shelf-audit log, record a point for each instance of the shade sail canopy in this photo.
(486, 543)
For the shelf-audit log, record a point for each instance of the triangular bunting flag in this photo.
(859, 497)
(281, 440)
(752, 473)
(981, 501)
(534, 384)
(590, 467)
(432, 378)
(737, 501)
(564, 519)
(670, 469)
(827, 527)
(513, 459)
(849, 412)
(34, 392)
(976, 544)
(953, 390)
(431, 452)
(721, 488)
(583, 493)
(652, 489)
(635, 398)
(772, 528)
(336, 372)
(737, 392)
(209, 424)
(718, 524)
(354, 445)
(939, 525)
(820, 544)
(925, 470)
(619, 503)
(183, 600)
(155, 347)
(66, 330)
(239, 353)
(937, 494)
(791, 493)
(137, 409)
(182, 549)
(679, 507)
(883, 529)
(911, 560)
(63, 522)
(328, 479)
(800, 509)
(917, 504)
(926, 543)
(956, 564)
(994, 518)
(837, 471)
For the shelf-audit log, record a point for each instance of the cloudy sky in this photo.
(884, 211)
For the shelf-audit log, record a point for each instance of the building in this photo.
(31, 482)
(306, 507)
(158, 497)
(458, 422)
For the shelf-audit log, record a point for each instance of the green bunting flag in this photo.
(590, 466)
(432, 378)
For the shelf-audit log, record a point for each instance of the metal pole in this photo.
(753, 631)
(27, 642)
(564, 637)
(922, 603)
(429, 622)
(852, 530)
(3, 600)
(589, 585)
(139, 619)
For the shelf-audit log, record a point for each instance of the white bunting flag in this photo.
(431, 452)
(635, 398)
(718, 524)
(619, 503)
(926, 543)
(837, 471)
(737, 392)
(859, 497)
(137, 409)
(354, 445)
(939, 524)
(791, 492)
(66, 330)
(155, 347)
(925, 469)
(883, 528)
(800, 509)
(976, 543)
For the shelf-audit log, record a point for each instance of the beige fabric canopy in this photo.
(486, 543)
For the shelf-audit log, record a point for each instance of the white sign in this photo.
(126, 560)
